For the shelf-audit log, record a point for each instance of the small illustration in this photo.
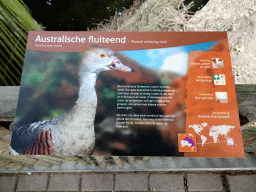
(187, 142)
(230, 141)
(219, 79)
(221, 97)
(217, 63)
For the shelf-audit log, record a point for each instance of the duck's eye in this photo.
(102, 55)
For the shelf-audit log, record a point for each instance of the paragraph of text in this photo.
(129, 96)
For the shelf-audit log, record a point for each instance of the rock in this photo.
(239, 20)
(8, 101)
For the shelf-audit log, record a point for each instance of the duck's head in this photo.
(97, 58)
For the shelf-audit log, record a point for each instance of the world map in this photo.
(214, 131)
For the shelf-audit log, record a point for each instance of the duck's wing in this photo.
(34, 139)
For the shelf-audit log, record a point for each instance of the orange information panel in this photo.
(127, 94)
(212, 105)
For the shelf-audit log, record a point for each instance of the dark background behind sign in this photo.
(79, 15)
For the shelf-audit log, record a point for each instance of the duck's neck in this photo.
(87, 93)
(82, 115)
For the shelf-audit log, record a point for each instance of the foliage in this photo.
(15, 22)
(48, 79)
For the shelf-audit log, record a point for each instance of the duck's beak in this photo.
(117, 64)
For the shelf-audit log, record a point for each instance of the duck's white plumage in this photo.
(72, 133)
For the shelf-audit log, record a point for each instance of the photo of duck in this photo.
(72, 133)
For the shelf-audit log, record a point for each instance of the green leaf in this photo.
(15, 23)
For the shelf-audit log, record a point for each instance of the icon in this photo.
(217, 63)
(219, 79)
(187, 142)
(221, 97)
(230, 141)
